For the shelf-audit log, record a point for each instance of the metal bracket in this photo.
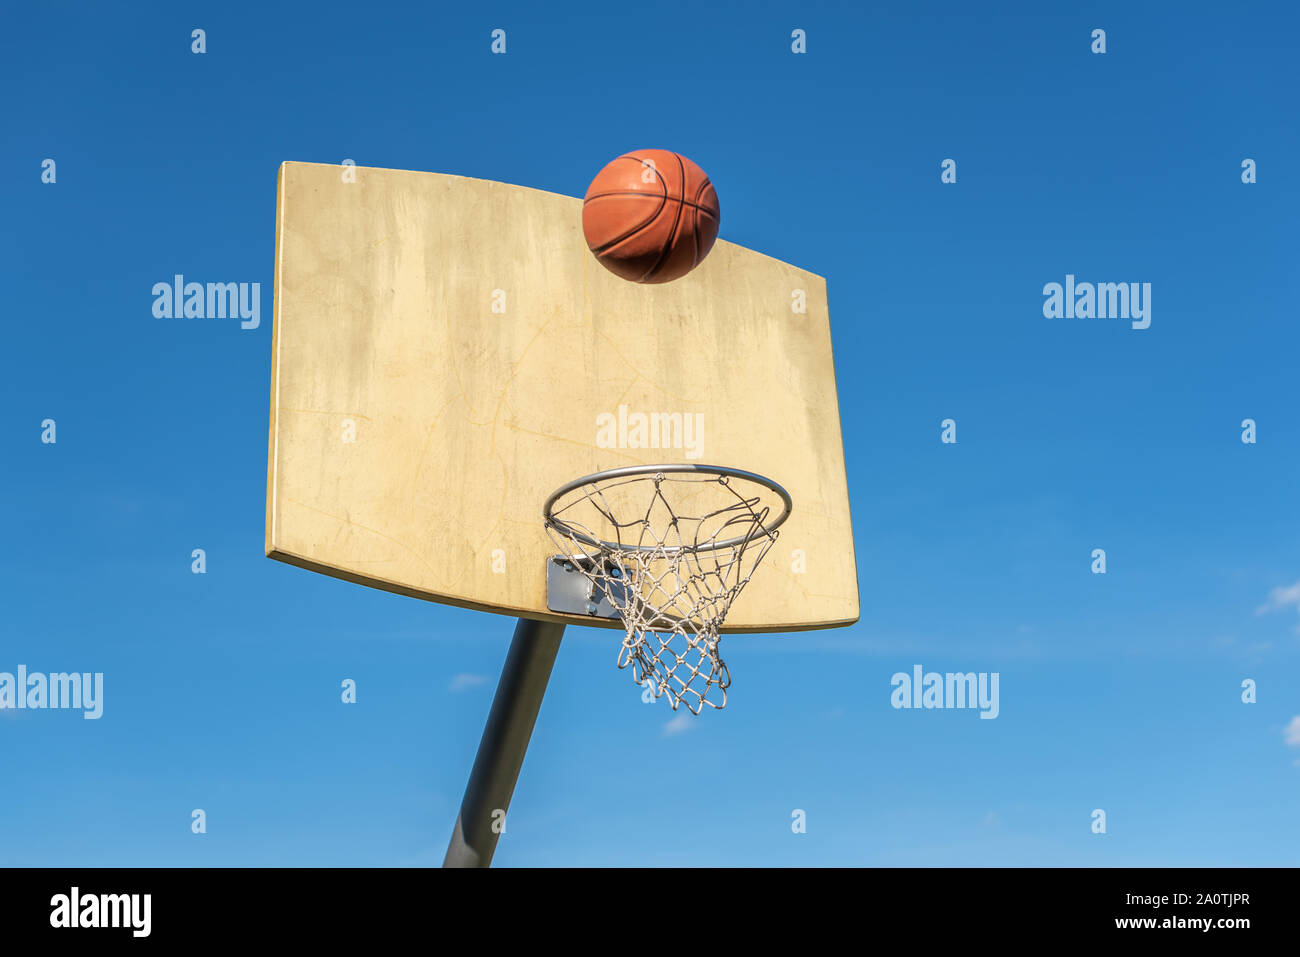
(571, 592)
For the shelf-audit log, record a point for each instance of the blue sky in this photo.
(1119, 691)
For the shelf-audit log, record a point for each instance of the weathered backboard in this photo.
(447, 352)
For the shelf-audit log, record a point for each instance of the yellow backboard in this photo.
(447, 352)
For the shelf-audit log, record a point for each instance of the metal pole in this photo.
(505, 740)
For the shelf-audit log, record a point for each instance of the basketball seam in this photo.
(698, 192)
(600, 250)
(698, 207)
(677, 218)
(663, 200)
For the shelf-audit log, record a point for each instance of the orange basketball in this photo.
(650, 216)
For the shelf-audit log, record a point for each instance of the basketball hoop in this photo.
(668, 548)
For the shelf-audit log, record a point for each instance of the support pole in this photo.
(505, 740)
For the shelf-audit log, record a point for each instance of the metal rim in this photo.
(631, 471)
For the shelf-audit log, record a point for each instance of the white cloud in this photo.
(1292, 732)
(683, 721)
(1288, 596)
(1280, 598)
(464, 682)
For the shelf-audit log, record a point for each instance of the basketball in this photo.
(650, 216)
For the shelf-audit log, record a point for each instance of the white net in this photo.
(669, 551)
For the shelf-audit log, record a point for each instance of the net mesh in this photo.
(669, 552)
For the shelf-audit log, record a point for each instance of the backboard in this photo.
(447, 352)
